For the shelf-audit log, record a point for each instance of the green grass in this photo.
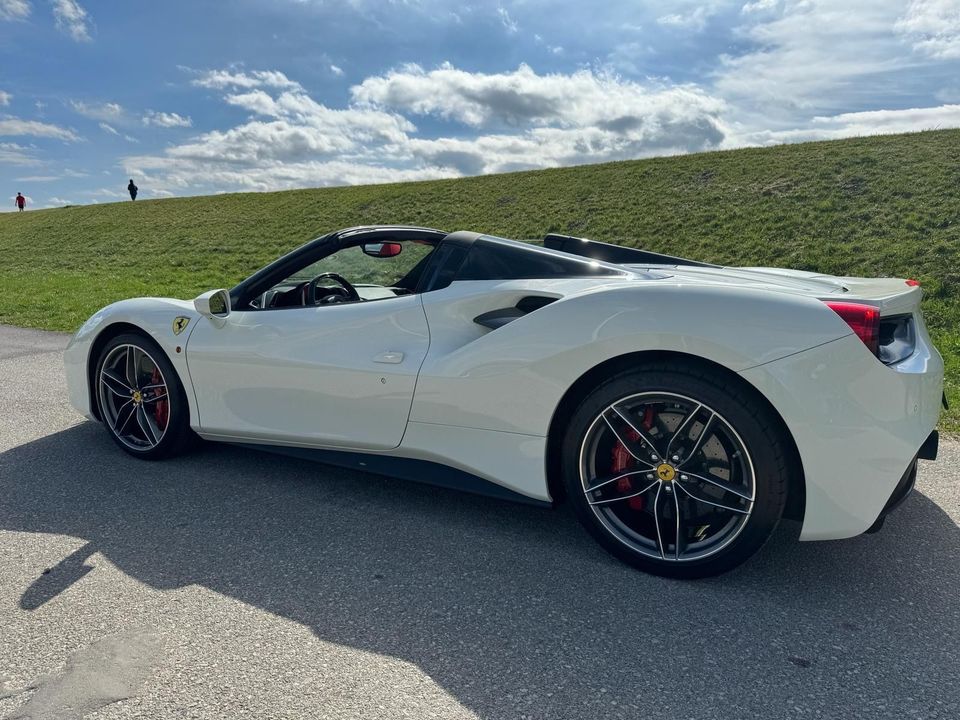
(879, 206)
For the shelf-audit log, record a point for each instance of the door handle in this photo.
(389, 358)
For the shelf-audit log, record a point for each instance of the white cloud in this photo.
(166, 120)
(256, 101)
(38, 178)
(759, 6)
(297, 127)
(291, 140)
(336, 70)
(14, 154)
(108, 129)
(14, 9)
(508, 121)
(57, 202)
(933, 26)
(16, 126)
(696, 19)
(890, 121)
(873, 122)
(226, 79)
(809, 55)
(557, 147)
(5, 98)
(522, 97)
(72, 19)
(509, 24)
(108, 111)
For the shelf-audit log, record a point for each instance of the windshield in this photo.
(361, 269)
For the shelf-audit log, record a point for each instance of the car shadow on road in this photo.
(509, 608)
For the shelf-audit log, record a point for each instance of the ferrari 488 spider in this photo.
(682, 408)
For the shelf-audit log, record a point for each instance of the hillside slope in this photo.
(866, 206)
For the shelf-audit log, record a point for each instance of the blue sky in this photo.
(201, 97)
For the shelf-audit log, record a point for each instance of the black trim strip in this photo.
(494, 319)
(616, 254)
(421, 471)
(928, 451)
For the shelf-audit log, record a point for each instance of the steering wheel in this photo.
(310, 290)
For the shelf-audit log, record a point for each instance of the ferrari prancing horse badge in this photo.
(180, 324)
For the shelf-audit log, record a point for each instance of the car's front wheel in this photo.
(676, 470)
(142, 402)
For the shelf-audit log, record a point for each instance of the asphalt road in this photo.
(232, 583)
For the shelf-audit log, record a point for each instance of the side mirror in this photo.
(214, 304)
(382, 250)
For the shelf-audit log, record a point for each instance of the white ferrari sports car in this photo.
(682, 408)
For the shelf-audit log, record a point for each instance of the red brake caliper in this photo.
(622, 461)
(161, 408)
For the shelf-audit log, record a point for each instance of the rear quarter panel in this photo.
(512, 379)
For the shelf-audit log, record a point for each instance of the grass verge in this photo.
(878, 206)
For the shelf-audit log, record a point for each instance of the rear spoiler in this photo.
(616, 254)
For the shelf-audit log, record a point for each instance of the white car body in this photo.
(416, 377)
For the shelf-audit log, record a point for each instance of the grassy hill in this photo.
(882, 206)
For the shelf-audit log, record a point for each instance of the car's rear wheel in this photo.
(142, 402)
(676, 470)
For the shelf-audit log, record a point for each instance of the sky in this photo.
(203, 97)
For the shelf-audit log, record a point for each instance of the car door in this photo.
(339, 375)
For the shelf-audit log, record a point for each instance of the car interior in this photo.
(361, 272)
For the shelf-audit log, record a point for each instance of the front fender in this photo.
(153, 316)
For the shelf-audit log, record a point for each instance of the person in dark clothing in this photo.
(20, 201)
(132, 189)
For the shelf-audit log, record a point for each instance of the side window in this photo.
(496, 261)
(360, 268)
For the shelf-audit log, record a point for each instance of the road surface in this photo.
(232, 583)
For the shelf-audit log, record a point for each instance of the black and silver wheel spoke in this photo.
(644, 486)
(657, 512)
(115, 383)
(151, 433)
(704, 433)
(152, 393)
(681, 429)
(643, 449)
(131, 386)
(122, 419)
(678, 547)
(700, 496)
(130, 366)
(666, 515)
(667, 475)
(600, 483)
(686, 477)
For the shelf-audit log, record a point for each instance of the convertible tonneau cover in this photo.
(617, 254)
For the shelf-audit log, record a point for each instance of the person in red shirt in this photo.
(21, 201)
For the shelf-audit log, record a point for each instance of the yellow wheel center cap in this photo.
(666, 472)
(137, 397)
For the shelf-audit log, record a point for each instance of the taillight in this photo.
(912, 283)
(864, 320)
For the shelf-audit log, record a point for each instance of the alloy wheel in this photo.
(134, 398)
(668, 476)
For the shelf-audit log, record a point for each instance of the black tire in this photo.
(762, 464)
(175, 437)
